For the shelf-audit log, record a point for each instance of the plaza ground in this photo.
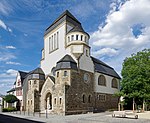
(104, 117)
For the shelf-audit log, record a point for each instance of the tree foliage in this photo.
(136, 75)
(10, 98)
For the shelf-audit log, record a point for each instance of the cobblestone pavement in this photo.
(82, 118)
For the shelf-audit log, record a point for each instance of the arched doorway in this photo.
(36, 101)
(18, 104)
(48, 101)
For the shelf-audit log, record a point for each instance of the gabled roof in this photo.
(65, 16)
(67, 62)
(101, 67)
(23, 75)
(11, 90)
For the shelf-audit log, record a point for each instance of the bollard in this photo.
(20, 112)
(33, 114)
(46, 113)
(24, 112)
(39, 114)
(28, 112)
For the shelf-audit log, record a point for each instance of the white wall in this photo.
(104, 89)
(1, 100)
(18, 78)
(52, 58)
(85, 62)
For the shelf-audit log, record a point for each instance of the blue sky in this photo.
(114, 27)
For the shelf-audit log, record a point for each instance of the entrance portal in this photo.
(48, 101)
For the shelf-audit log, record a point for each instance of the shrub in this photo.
(9, 109)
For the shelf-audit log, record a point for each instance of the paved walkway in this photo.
(84, 118)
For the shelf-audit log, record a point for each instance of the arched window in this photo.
(114, 83)
(77, 37)
(102, 80)
(65, 73)
(60, 100)
(34, 81)
(72, 37)
(83, 98)
(57, 74)
(86, 78)
(68, 38)
(87, 53)
(55, 101)
(89, 99)
(81, 37)
(85, 39)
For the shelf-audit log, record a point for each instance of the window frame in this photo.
(102, 81)
(114, 83)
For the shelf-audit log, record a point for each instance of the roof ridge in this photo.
(62, 15)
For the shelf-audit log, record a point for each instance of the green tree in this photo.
(10, 98)
(136, 76)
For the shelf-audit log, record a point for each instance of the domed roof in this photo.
(37, 71)
(67, 62)
(67, 58)
(78, 29)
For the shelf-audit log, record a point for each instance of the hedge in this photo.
(9, 109)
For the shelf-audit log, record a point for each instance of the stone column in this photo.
(48, 102)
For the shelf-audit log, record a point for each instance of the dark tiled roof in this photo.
(37, 71)
(65, 16)
(14, 83)
(52, 78)
(77, 29)
(101, 67)
(67, 62)
(11, 90)
(23, 75)
(67, 58)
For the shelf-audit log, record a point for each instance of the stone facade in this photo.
(33, 98)
(79, 94)
(104, 101)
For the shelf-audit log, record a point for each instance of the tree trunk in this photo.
(133, 105)
(119, 106)
(143, 105)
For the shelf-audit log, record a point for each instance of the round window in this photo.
(86, 77)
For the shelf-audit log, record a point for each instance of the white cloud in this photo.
(13, 63)
(6, 56)
(105, 51)
(5, 8)
(3, 25)
(117, 33)
(8, 74)
(10, 47)
(7, 78)
(25, 34)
